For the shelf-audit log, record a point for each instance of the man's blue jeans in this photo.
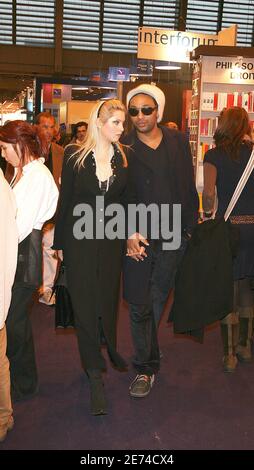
(144, 318)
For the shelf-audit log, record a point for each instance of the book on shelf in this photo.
(203, 148)
(230, 100)
(213, 101)
(208, 101)
(208, 126)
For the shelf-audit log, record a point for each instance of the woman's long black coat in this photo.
(93, 265)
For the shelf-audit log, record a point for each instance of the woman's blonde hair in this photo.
(104, 110)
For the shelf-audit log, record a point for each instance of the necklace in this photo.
(105, 171)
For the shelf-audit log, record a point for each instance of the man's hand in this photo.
(134, 249)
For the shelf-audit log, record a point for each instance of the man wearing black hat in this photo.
(161, 172)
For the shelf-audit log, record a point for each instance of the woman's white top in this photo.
(8, 246)
(36, 197)
(103, 170)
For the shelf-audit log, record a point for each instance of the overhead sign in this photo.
(97, 76)
(116, 74)
(228, 70)
(170, 45)
(142, 68)
(228, 36)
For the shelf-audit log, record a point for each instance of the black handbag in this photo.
(64, 317)
(204, 283)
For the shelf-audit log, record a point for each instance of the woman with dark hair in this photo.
(36, 197)
(95, 173)
(223, 168)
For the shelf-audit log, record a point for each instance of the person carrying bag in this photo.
(204, 289)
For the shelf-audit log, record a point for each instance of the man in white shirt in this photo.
(46, 123)
(8, 256)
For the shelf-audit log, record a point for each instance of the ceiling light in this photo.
(81, 88)
(163, 65)
(136, 74)
(105, 87)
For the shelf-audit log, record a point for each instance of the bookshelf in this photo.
(223, 76)
(186, 108)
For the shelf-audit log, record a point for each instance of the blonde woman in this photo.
(94, 174)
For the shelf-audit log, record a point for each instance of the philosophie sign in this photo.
(164, 44)
(228, 70)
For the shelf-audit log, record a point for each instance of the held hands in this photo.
(134, 249)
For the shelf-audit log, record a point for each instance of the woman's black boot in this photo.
(98, 400)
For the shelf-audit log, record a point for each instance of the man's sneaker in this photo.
(47, 297)
(141, 385)
(5, 428)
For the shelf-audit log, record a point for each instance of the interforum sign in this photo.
(164, 44)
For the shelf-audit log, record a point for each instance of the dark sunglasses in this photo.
(147, 111)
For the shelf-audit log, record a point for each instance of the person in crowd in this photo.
(65, 138)
(47, 125)
(223, 167)
(172, 125)
(160, 172)
(36, 197)
(79, 133)
(2, 163)
(98, 169)
(8, 256)
(57, 135)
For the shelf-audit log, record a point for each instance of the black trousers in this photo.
(144, 336)
(144, 319)
(20, 345)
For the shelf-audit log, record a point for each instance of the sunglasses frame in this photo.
(150, 108)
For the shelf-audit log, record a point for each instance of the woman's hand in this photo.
(59, 254)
